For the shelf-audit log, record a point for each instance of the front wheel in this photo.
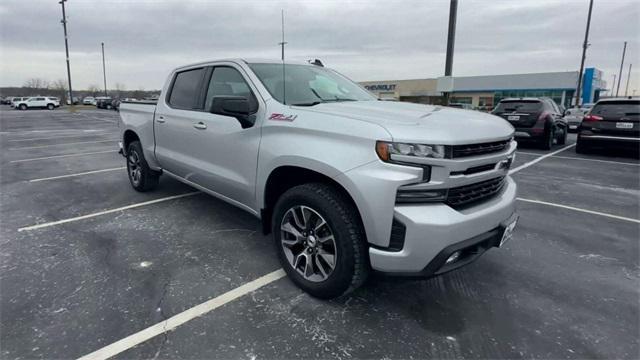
(23, 107)
(141, 176)
(320, 241)
(51, 107)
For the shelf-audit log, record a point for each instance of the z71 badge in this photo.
(282, 117)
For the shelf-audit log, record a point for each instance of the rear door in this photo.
(520, 113)
(174, 118)
(37, 102)
(619, 118)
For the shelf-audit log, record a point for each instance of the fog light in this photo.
(453, 258)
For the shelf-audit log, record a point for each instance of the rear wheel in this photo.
(142, 177)
(320, 241)
(581, 147)
(547, 141)
(563, 138)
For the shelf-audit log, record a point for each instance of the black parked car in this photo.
(104, 103)
(611, 123)
(536, 119)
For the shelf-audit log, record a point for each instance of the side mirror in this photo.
(237, 106)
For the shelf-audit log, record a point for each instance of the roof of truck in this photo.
(247, 61)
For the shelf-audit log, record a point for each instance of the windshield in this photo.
(307, 85)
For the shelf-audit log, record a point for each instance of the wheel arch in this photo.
(128, 137)
(285, 177)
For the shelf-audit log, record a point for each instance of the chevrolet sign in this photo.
(381, 87)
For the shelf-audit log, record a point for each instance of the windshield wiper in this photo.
(308, 104)
(339, 99)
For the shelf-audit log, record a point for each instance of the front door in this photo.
(225, 154)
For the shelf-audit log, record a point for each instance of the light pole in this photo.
(66, 47)
(451, 40)
(585, 45)
(104, 71)
(628, 79)
(624, 49)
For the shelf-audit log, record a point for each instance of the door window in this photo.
(186, 89)
(227, 81)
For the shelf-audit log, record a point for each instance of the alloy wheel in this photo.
(135, 170)
(308, 243)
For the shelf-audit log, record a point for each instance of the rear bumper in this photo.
(609, 141)
(435, 231)
(529, 133)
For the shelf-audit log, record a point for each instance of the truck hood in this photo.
(407, 122)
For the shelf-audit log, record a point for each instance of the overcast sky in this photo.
(366, 40)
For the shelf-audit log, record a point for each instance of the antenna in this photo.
(282, 44)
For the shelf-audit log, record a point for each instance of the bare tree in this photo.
(93, 89)
(36, 83)
(60, 86)
(120, 87)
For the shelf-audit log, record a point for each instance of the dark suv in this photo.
(611, 123)
(535, 119)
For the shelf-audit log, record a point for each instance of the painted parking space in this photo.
(564, 286)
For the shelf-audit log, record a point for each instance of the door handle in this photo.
(200, 126)
(160, 119)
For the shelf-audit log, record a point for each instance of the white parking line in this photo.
(536, 160)
(58, 137)
(183, 317)
(71, 143)
(77, 174)
(88, 216)
(56, 130)
(64, 156)
(597, 160)
(580, 210)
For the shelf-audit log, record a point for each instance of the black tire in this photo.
(51, 106)
(563, 139)
(23, 107)
(546, 143)
(351, 257)
(109, 107)
(581, 148)
(141, 177)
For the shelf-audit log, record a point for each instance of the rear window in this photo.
(186, 88)
(617, 108)
(524, 106)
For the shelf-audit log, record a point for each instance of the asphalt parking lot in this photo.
(87, 262)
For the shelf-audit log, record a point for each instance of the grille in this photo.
(467, 195)
(459, 151)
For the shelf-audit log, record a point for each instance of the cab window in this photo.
(186, 89)
(227, 81)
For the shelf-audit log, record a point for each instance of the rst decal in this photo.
(282, 117)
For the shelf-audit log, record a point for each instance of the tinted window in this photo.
(525, 106)
(186, 89)
(617, 109)
(226, 81)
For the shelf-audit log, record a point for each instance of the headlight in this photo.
(386, 149)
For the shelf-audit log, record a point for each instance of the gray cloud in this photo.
(366, 40)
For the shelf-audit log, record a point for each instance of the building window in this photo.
(461, 99)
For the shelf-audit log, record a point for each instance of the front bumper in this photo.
(432, 229)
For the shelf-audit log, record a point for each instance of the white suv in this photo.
(38, 103)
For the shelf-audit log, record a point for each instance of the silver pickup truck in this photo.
(346, 183)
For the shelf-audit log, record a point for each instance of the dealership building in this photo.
(484, 92)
